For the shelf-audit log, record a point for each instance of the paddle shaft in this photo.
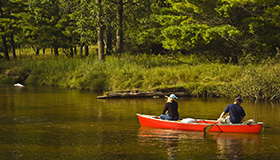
(207, 128)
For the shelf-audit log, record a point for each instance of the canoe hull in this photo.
(150, 121)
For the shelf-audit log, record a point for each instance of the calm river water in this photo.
(54, 123)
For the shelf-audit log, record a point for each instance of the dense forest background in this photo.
(205, 48)
(223, 30)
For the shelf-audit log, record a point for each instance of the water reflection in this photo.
(234, 145)
(168, 139)
(53, 123)
(220, 145)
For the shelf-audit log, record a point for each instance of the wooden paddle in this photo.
(207, 128)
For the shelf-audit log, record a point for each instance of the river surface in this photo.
(57, 124)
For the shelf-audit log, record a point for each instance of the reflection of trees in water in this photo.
(226, 145)
(233, 145)
(169, 138)
(229, 149)
(171, 145)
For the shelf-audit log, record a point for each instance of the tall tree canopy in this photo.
(10, 16)
(224, 30)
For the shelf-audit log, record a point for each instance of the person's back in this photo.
(172, 109)
(236, 113)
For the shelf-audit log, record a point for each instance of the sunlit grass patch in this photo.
(147, 73)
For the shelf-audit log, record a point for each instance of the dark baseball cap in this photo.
(238, 99)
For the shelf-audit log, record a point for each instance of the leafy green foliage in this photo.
(224, 30)
(82, 16)
(244, 32)
(149, 73)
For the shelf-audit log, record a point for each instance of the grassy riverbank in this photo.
(147, 73)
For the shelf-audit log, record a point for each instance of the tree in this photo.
(4, 21)
(142, 33)
(100, 30)
(196, 27)
(108, 19)
(68, 21)
(119, 34)
(10, 11)
(83, 23)
(40, 25)
(4, 41)
(224, 30)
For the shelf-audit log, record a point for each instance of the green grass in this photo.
(146, 73)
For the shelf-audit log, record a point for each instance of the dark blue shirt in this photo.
(236, 112)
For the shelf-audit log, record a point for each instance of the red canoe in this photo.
(199, 125)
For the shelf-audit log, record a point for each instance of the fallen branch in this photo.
(131, 94)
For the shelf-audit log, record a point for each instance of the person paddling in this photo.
(236, 112)
(172, 107)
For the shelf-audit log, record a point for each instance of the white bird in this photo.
(18, 85)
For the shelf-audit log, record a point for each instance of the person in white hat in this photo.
(171, 107)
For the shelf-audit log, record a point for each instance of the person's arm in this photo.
(221, 116)
(224, 113)
(165, 108)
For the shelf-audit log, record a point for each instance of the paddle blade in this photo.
(206, 129)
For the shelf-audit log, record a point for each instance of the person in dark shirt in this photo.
(236, 112)
(171, 107)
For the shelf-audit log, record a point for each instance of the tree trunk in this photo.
(100, 31)
(86, 51)
(119, 36)
(71, 52)
(5, 46)
(6, 52)
(109, 41)
(13, 46)
(56, 51)
(37, 51)
(20, 51)
(81, 50)
(75, 50)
